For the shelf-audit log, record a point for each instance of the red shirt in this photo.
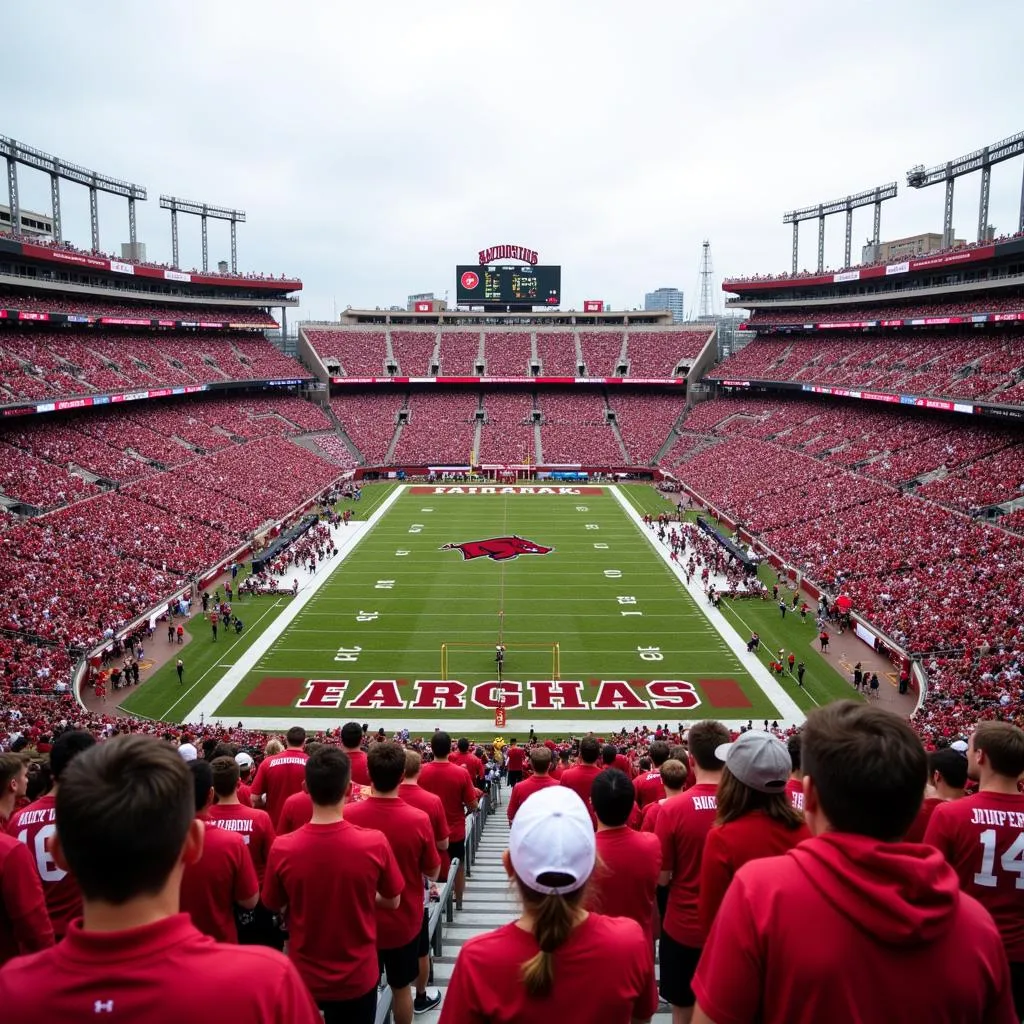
(580, 779)
(915, 834)
(624, 764)
(455, 788)
(33, 825)
(430, 804)
(728, 847)
(360, 769)
(244, 794)
(626, 875)
(328, 877)
(470, 762)
(252, 824)
(222, 877)
(515, 759)
(279, 776)
(682, 826)
(845, 928)
(980, 836)
(521, 790)
(297, 811)
(603, 972)
(795, 790)
(24, 923)
(649, 816)
(649, 788)
(163, 973)
(411, 836)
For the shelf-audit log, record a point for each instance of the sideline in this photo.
(346, 538)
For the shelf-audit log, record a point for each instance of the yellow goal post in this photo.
(459, 646)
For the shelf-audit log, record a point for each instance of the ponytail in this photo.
(555, 916)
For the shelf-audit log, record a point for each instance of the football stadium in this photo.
(630, 551)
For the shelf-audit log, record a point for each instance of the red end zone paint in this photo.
(483, 489)
(724, 693)
(276, 692)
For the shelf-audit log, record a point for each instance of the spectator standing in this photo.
(468, 760)
(280, 775)
(682, 826)
(648, 786)
(224, 877)
(35, 826)
(580, 778)
(352, 744)
(127, 827)
(24, 924)
(795, 783)
(558, 961)
(882, 930)
(332, 876)
(515, 761)
(540, 762)
(981, 837)
(947, 780)
(409, 832)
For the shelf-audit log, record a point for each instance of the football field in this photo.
(599, 627)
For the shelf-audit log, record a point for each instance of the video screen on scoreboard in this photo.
(524, 286)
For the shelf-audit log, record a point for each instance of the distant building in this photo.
(425, 302)
(666, 298)
(39, 225)
(900, 249)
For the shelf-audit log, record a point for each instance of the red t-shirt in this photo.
(162, 973)
(411, 836)
(244, 794)
(728, 847)
(222, 877)
(881, 935)
(626, 875)
(982, 837)
(430, 804)
(33, 825)
(649, 788)
(515, 759)
(580, 779)
(470, 762)
(682, 826)
(297, 811)
(328, 877)
(455, 788)
(795, 791)
(915, 834)
(24, 924)
(624, 764)
(360, 768)
(603, 972)
(526, 788)
(279, 776)
(252, 824)
(649, 816)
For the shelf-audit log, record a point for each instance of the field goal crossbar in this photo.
(553, 646)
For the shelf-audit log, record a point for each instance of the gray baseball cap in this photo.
(758, 760)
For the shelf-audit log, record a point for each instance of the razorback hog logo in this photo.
(500, 549)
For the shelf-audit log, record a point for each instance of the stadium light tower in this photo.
(17, 153)
(980, 159)
(875, 196)
(202, 210)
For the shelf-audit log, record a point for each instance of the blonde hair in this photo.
(273, 747)
(554, 917)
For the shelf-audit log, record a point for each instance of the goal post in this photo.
(458, 646)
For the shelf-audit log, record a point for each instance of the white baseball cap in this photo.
(188, 751)
(758, 760)
(244, 761)
(553, 834)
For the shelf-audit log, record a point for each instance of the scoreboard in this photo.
(509, 286)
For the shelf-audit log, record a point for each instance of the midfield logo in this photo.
(499, 549)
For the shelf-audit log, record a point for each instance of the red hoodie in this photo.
(847, 928)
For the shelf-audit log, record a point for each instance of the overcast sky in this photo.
(375, 146)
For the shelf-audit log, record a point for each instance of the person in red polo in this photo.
(35, 826)
(515, 762)
(947, 779)
(224, 877)
(581, 776)
(540, 762)
(280, 775)
(332, 876)
(411, 836)
(126, 827)
(468, 760)
(455, 789)
(352, 744)
(647, 785)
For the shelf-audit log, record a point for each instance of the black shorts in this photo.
(351, 1011)
(457, 848)
(678, 965)
(1017, 987)
(401, 965)
(514, 778)
(423, 949)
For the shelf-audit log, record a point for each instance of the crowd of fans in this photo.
(414, 351)
(507, 435)
(995, 303)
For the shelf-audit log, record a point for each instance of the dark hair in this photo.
(386, 765)
(704, 739)
(1003, 744)
(295, 736)
(540, 760)
(202, 782)
(793, 746)
(608, 754)
(328, 773)
(950, 765)
(612, 797)
(67, 747)
(735, 799)
(224, 749)
(645, 763)
(673, 774)
(590, 750)
(351, 735)
(225, 775)
(679, 752)
(441, 743)
(554, 916)
(658, 752)
(463, 745)
(123, 812)
(868, 767)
